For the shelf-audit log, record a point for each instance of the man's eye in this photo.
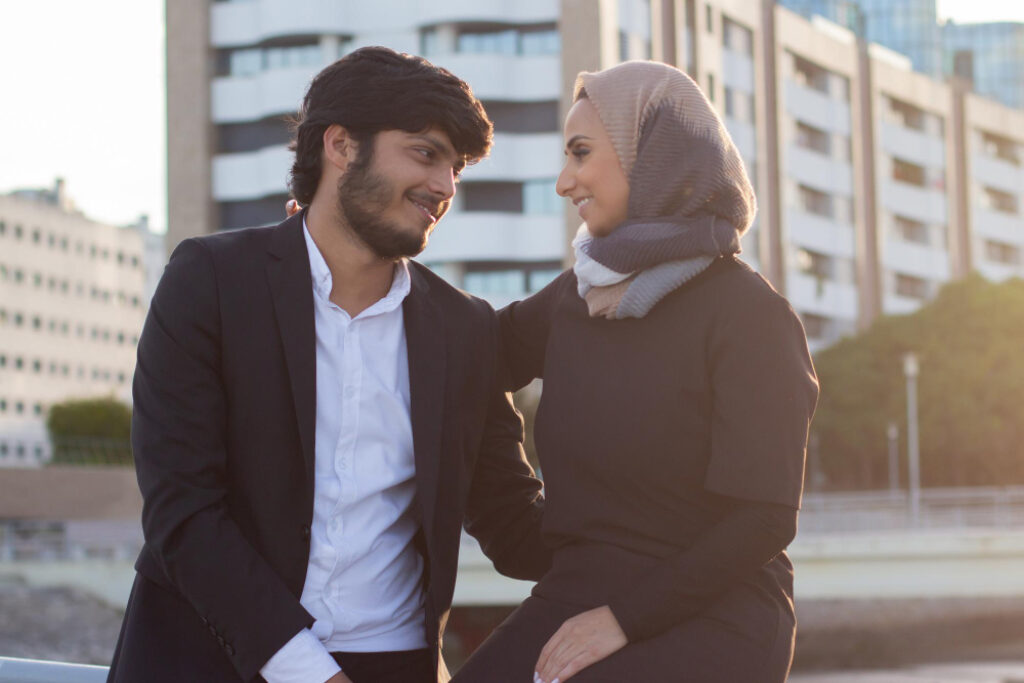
(427, 153)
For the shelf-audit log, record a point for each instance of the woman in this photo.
(678, 392)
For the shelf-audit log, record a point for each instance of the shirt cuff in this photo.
(302, 659)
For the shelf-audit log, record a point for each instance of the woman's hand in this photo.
(586, 638)
(292, 207)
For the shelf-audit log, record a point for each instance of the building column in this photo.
(862, 143)
(590, 42)
(772, 245)
(959, 159)
(190, 208)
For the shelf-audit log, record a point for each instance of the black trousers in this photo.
(407, 666)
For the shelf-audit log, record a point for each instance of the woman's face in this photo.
(592, 176)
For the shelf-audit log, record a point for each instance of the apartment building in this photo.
(73, 297)
(876, 183)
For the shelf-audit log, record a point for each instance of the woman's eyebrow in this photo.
(576, 138)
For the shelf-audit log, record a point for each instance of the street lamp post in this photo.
(893, 432)
(911, 369)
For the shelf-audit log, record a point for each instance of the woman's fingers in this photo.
(579, 642)
(292, 207)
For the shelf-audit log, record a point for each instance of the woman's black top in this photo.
(679, 436)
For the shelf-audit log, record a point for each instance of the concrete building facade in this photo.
(876, 184)
(73, 297)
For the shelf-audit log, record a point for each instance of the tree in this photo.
(90, 431)
(971, 391)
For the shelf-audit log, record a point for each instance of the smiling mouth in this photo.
(580, 203)
(423, 209)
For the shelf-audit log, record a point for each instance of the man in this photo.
(316, 416)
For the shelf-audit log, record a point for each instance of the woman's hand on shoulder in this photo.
(580, 641)
(291, 207)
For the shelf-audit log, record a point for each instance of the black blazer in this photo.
(223, 430)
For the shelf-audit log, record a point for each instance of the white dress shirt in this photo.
(363, 585)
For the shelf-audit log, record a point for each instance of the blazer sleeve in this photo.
(525, 326)
(505, 504)
(178, 440)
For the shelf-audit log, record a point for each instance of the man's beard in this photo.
(363, 197)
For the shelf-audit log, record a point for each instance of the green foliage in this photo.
(90, 431)
(970, 389)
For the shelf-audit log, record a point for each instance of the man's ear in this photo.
(339, 147)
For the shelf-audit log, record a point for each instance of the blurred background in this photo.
(884, 138)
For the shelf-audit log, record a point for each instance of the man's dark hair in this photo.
(374, 89)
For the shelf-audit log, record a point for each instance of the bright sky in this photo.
(83, 98)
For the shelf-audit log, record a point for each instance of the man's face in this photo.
(394, 193)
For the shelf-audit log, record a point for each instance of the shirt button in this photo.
(350, 391)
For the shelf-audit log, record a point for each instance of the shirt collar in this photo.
(401, 283)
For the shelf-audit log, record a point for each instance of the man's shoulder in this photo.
(232, 242)
(447, 295)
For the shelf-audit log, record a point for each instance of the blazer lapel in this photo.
(425, 340)
(292, 291)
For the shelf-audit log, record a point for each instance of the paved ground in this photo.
(990, 672)
(56, 624)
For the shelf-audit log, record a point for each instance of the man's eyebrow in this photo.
(439, 147)
(576, 138)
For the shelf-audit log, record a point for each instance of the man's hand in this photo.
(586, 638)
(339, 677)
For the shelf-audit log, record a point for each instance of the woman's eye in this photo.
(580, 152)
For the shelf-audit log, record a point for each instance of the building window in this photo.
(1000, 201)
(711, 87)
(709, 19)
(906, 114)
(911, 287)
(998, 147)
(506, 283)
(816, 326)
(540, 198)
(813, 138)
(538, 40)
(906, 172)
(810, 75)
(815, 202)
(737, 38)
(910, 230)
(815, 264)
(999, 252)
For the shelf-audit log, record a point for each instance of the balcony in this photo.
(276, 92)
(918, 260)
(252, 174)
(919, 203)
(817, 109)
(247, 23)
(998, 272)
(526, 156)
(818, 171)
(1002, 227)
(745, 137)
(738, 71)
(894, 304)
(519, 78)
(912, 145)
(820, 234)
(821, 297)
(493, 236)
(997, 173)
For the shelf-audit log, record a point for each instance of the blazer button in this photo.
(305, 533)
(213, 629)
(220, 641)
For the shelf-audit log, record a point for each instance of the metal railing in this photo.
(940, 508)
(36, 671)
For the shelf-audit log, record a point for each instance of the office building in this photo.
(73, 297)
